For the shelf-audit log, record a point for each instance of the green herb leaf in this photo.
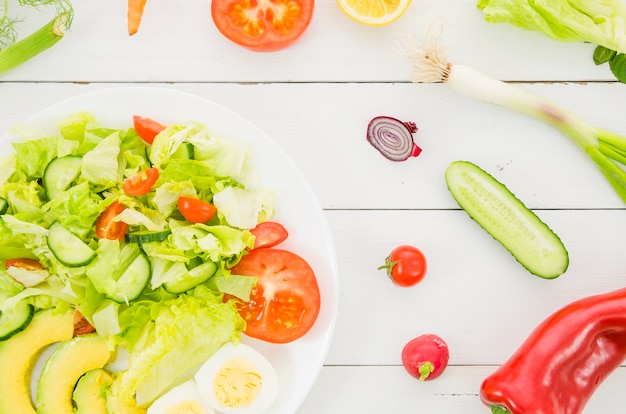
(602, 55)
(618, 66)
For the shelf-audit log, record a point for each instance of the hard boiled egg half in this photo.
(238, 379)
(182, 399)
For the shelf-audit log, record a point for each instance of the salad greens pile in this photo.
(166, 334)
(600, 22)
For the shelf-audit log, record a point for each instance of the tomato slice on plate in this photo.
(142, 182)
(268, 234)
(147, 128)
(285, 302)
(106, 227)
(195, 210)
(262, 25)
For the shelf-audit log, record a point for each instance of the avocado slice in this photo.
(19, 354)
(66, 365)
(116, 405)
(89, 394)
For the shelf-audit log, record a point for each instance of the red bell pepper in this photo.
(564, 360)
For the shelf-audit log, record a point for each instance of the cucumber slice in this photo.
(147, 236)
(15, 320)
(192, 278)
(4, 205)
(60, 173)
(132, 282)
(68, 248)
(488, 202)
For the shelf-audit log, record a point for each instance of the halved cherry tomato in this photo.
(106, 227)
(285, 302)
(195, 210)
(23, 263)
(81, 324)
(262, 25)
(268, 234)
(141, 183)
(405, 265)
(147, 128)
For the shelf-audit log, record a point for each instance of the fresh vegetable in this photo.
(15, 320)
(285, 302)
(393, 138)
(107, 227)
(406, 266)
(15, 52)
(590, 21)
(22, 263)
(81, 324)
(67, 247)
(135, 14)
(488, 202)
(147, 128)
(195, 210)
(262, 26)
(425, 357)
(564, 360)
(141, 183)
(268, 234)
(616, 61)
(606, 149)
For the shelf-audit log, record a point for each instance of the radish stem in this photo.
(605, 148)
(27, 48)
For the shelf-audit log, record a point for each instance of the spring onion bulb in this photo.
(393, 138)
(27, 48)
(605, 148)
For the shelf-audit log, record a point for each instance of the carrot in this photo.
(135, 13)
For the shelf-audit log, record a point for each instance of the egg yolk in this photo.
(186, 407)
(237, 383)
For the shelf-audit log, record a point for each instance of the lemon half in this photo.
(374, 12)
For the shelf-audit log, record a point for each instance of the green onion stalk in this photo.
(607, 149)
(15, 53)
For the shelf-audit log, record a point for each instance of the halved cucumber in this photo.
(15, 320)
(68, 248)
(148, 236)
(60, 173)
(132, 281)
(192, 278)
(488, 202)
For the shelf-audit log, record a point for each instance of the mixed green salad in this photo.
(160, 284)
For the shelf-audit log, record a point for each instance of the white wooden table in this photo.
(315, 99)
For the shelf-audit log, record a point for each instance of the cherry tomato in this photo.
(268, 234)
(106, 227)
(23, 263)
(195, 210)
(81, 324)
(285, 302)
(262, 25)
(141, 183)
(406, 266)
(147, 128)
(425, 357)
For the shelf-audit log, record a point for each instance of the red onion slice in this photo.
(393, 138)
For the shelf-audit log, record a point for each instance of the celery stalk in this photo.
(32, 45)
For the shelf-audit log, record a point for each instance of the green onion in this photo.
(30, 46)
(605, 148)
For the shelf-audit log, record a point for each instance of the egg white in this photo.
(269, 380)
(188, 390)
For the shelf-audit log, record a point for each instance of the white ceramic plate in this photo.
(297, 363)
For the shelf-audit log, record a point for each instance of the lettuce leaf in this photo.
(601, 22)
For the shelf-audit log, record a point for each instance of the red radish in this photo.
(425, 357)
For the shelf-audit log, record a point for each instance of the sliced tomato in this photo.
(262, 25)
(142, 182)
(285, 302)
(195, 210)
(81, 324)
(23, 263)
(106, 227)
(268, 234)
(147, 128)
